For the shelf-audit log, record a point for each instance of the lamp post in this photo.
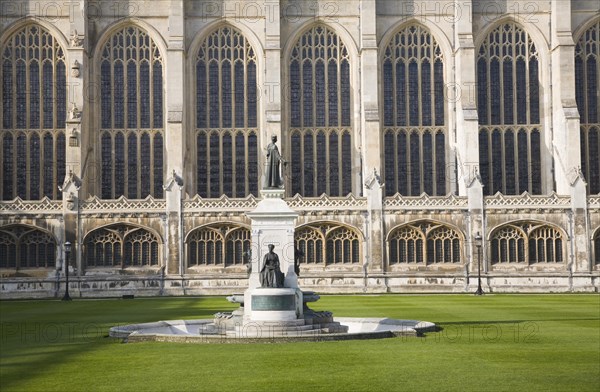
(67, 297)
(478, 241)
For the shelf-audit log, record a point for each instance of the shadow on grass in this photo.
(487, 322)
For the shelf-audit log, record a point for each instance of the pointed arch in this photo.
(122, 245)
(596, 245)
(219, 244)
(424, 242)
(527, 243)
(225, 66)
(414, 112)
(25, 246)
(33, 64)
(130, 66)
(328, 243)
(319, 111)
(587, 80)
(509, 67)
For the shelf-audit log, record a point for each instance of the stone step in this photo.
(277, 334)
(276, 328)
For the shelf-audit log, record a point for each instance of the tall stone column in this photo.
(566, 136)
(270, 98)
(77, 132)
(371, 137)
(467, 128)
(175, 138)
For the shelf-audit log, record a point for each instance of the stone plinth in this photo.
(273, 222)
(271, 304)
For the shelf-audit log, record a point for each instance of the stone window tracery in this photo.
(131, 137)
(122, 246)
(218, 245)
(414, 131)
(26, 247)
(34, 105)
(508, 103)
(320, 131)
(587, 79)
(327, 244)
(226, 116)
(424, 242)
(526, 243)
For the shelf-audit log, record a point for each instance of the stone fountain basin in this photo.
(205, 331)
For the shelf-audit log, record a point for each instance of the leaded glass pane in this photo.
(516, 101)
(22, 165)
(334, 180)
(319, 104)
(215, 163)
(427, 163)
(106, 149)
(346, 164)
(497, 168)
(119, 164)
(145, 165)
(414, 87)
(227, 165)
(426, 106)
(253, 163)
(7, 167)
(21, 94)
(132, 166)
(131, 101)
(402, 157)
(7, 94)
(523, 160)
(48, 165)
(415, 164)
(226, 99)
(201, 164)
(145, 95)
(158, 165)
(321, 157)
(34, 166)
(118, 96)
(157, 94)
(105, 94)
(296, 163)
(34, 95)
(440, 162)
(308, 158)
(509, 148)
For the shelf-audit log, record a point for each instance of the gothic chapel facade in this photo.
(423, 139)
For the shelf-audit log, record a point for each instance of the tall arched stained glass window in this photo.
(320, 136)
(587, 79)
(413, 114)
(131, 116)
(508, 104)
(226, 116)
(32, 120)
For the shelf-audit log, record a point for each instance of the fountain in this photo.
(273, 307)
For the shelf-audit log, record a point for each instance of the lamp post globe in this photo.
(67, 297)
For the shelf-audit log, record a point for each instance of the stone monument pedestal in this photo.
(273, 223)
(269, 304)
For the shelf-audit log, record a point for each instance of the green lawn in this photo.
(489, 343)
